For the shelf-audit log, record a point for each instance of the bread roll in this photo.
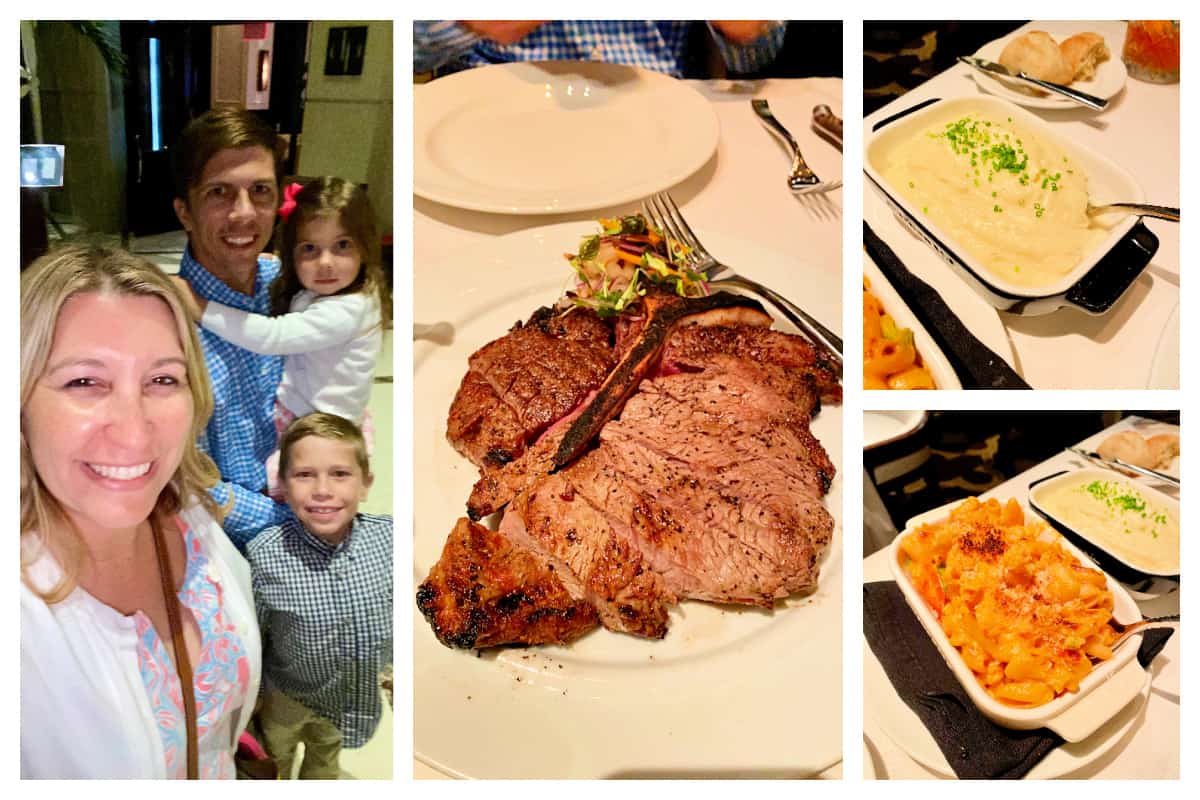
(1163, 448)
(1038, 56)
(1129, 447)
(1083, 52)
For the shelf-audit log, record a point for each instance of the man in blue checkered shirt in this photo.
(226, 169)
(450, 45)
(323, 590)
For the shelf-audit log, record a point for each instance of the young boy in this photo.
(323, 589)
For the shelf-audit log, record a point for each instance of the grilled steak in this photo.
(703, 481)
(781, 357)
(520, 384)
(595, 563)
(642, 344)
(485, 592)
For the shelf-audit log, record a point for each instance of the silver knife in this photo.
(828, 124)
(1116, 463)
(1083, 98)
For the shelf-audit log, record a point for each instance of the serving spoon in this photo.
(1144, 209)
(1127, 630)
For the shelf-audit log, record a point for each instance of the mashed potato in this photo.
(1012, 202)
(1120, 519)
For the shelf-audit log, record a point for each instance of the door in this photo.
(169, 64)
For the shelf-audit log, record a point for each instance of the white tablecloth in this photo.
(1069, 349)
(741, 190)
(1151, 749)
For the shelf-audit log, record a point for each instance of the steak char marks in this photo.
(704, 480)
(485, 592)
(519, 385)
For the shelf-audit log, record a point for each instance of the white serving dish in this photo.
(944, 376)
(1074, 715)
(1107, 182)
(1122, 567)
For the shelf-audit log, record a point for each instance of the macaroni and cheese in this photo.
(1027, 617)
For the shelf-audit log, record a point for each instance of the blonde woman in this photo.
(127, 580)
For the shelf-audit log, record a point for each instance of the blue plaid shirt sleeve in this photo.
(437, 43)
(656, 45)
(251, 512)
(241, 432)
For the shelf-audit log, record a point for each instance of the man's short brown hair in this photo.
(216, 130)
(326, 426)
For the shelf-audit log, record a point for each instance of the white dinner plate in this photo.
(979, 316)
(556, 137)
(730, 692)
(1106, 83)
(1164, 366)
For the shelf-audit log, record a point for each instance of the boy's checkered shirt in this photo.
(325, 614)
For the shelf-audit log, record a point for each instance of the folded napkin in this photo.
(974, 746)
(976, 365)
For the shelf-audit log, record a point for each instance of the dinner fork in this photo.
(801, 179)
(662, 212)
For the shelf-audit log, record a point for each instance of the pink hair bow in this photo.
(289, 200)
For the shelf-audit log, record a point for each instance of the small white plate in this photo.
(1106, 83)
(944, 376)
(706, 701)
(556, 137)
(902, 725)
(884, 427)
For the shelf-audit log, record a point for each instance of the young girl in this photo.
(329, 304)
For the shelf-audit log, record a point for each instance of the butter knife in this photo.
(1116, 463)
(1083, 98)
(828, 124)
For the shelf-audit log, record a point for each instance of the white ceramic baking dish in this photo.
(1127, 568)
(1074, 715)
(944, 376)
(1101, 276)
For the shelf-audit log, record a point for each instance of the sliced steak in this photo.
(520, 384)
(593, 561)
(643, 340)
(780, 356)
(664, 313)
(719, 496)
(484, 592)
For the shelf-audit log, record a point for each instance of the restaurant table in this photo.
(742, 190)
(1151, 748)
(1139, 131)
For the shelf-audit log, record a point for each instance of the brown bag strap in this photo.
(182, 662)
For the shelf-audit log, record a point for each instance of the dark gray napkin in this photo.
(974, 746)
(976, 365)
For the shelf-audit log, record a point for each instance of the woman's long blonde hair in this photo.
(45, 288)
